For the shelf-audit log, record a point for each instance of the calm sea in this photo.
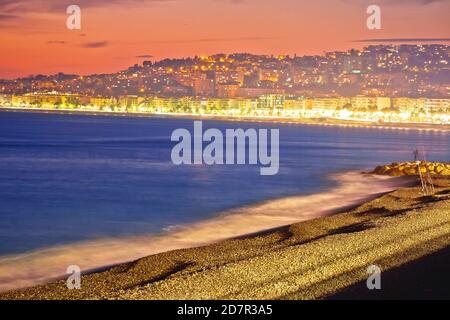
(67, 178)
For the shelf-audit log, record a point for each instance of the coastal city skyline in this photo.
(387, 83)
(116, 34)
(376, 70)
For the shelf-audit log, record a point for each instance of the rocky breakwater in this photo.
(413, 168)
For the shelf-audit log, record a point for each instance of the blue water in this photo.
(66, 178)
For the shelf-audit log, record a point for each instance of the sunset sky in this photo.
(118, 33)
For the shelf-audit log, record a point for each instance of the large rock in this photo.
(412, 168)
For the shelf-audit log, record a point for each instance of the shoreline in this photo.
(323, 258)
(46, 265)
(328, 122)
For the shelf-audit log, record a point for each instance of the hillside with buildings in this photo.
(405, 83)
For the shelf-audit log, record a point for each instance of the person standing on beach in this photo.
(416, 155)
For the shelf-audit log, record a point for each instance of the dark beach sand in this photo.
(425, 278)
(405, 234)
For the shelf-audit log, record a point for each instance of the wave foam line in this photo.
(44, 265)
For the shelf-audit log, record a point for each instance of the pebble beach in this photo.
(315, 259)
